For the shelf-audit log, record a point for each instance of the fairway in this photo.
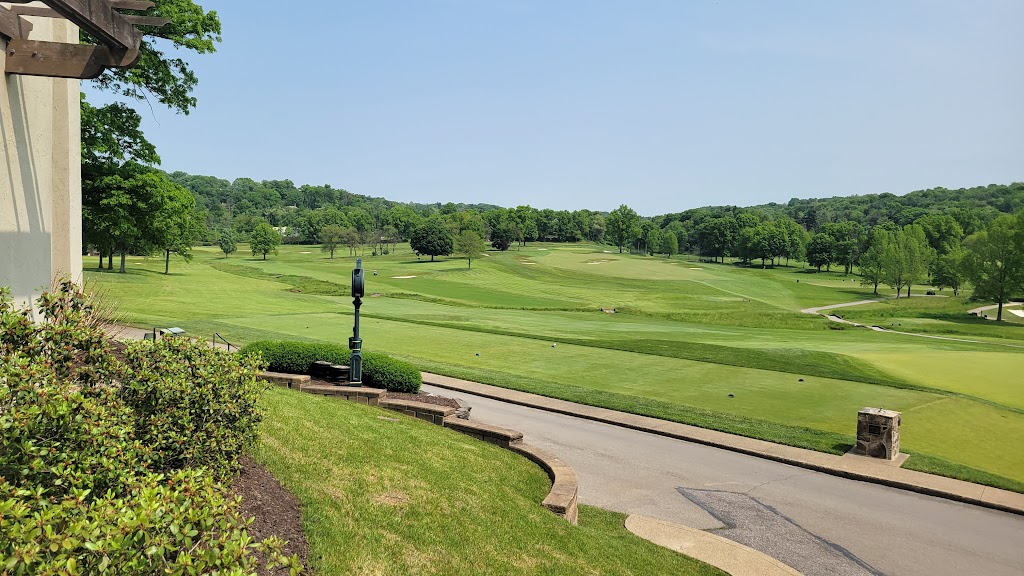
(685, 336)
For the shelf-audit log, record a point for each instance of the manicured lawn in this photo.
(382, 495)
(686, 335)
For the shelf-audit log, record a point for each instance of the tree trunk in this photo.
(908, 290)
(167, 261)
(431, 257)
(101, 261)
(123, 254)
(876, 289)
(819, 268)
(110, 260)
(264, 255)
(999, 314)
(470, 260)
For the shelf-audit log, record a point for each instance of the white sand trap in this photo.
(542, 249)
(696, 268)
(599, 262)
(402, 277)
(305, 252)
(530, 263)
(607, 251)
(1019, 313)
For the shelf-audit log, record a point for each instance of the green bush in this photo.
(89, 483)
(379, 370)
(192, 404)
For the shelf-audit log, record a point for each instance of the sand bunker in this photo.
(402, 277)
(696, 268)
(529, 263)
(1017, 313)
(542, 249)
(305, 252)
(599, 262)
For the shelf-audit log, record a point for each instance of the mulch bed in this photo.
(275, 512)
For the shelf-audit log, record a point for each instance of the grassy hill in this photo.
(400, 496)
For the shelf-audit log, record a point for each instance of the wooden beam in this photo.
(138, 5)
(37, 11)
(57, 60)
(12, 25)
(98, 18)
(152, 21)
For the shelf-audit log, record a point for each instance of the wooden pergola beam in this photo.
(56, 59)
(12, 25)
(98, 18)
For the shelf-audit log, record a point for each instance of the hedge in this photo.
(379, 370)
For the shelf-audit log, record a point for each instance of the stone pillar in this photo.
(878, 433)
(40, 174)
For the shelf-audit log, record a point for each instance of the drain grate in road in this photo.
(763, 528)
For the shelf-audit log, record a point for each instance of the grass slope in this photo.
(399, 496)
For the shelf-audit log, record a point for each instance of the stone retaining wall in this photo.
(561, 500)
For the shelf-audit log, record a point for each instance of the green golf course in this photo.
(716, 345)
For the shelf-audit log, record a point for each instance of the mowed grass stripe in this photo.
(794, 361)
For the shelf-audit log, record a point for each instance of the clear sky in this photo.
(660, 104)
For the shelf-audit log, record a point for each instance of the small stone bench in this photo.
(494, 434)
(292, 381)
(370, 396)
(430, 412)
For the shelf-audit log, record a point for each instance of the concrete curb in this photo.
(722, 553)
(562, 499)
(854, 469)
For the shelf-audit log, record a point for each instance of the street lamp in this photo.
(355, 343)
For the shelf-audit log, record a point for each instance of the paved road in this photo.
(817, 523)
(978, 311)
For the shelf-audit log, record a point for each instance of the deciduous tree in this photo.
(227, 242)
(264, 240)
(470, 245)
(432, 239)
(995, 260)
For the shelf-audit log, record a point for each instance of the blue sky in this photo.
(662, 105)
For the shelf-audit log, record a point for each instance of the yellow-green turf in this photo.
(685, 334)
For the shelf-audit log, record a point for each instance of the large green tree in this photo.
(264, 240)
(872, 262)
(994, 262)
(622, 225)
(470, 245)
(177, 226)
(821, 251)
(333, 237)
(432, 238)
(114, 150)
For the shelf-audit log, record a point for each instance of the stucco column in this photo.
(40, 174)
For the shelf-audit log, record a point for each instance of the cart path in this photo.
(821, 310)
(817, 523)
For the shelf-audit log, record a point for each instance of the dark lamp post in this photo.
(355, 343)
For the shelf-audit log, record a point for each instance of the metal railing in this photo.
(217, 336)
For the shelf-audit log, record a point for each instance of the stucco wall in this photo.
(40, 174)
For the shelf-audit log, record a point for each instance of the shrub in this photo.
(81, 488)
(192, 404)
(379, 370)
